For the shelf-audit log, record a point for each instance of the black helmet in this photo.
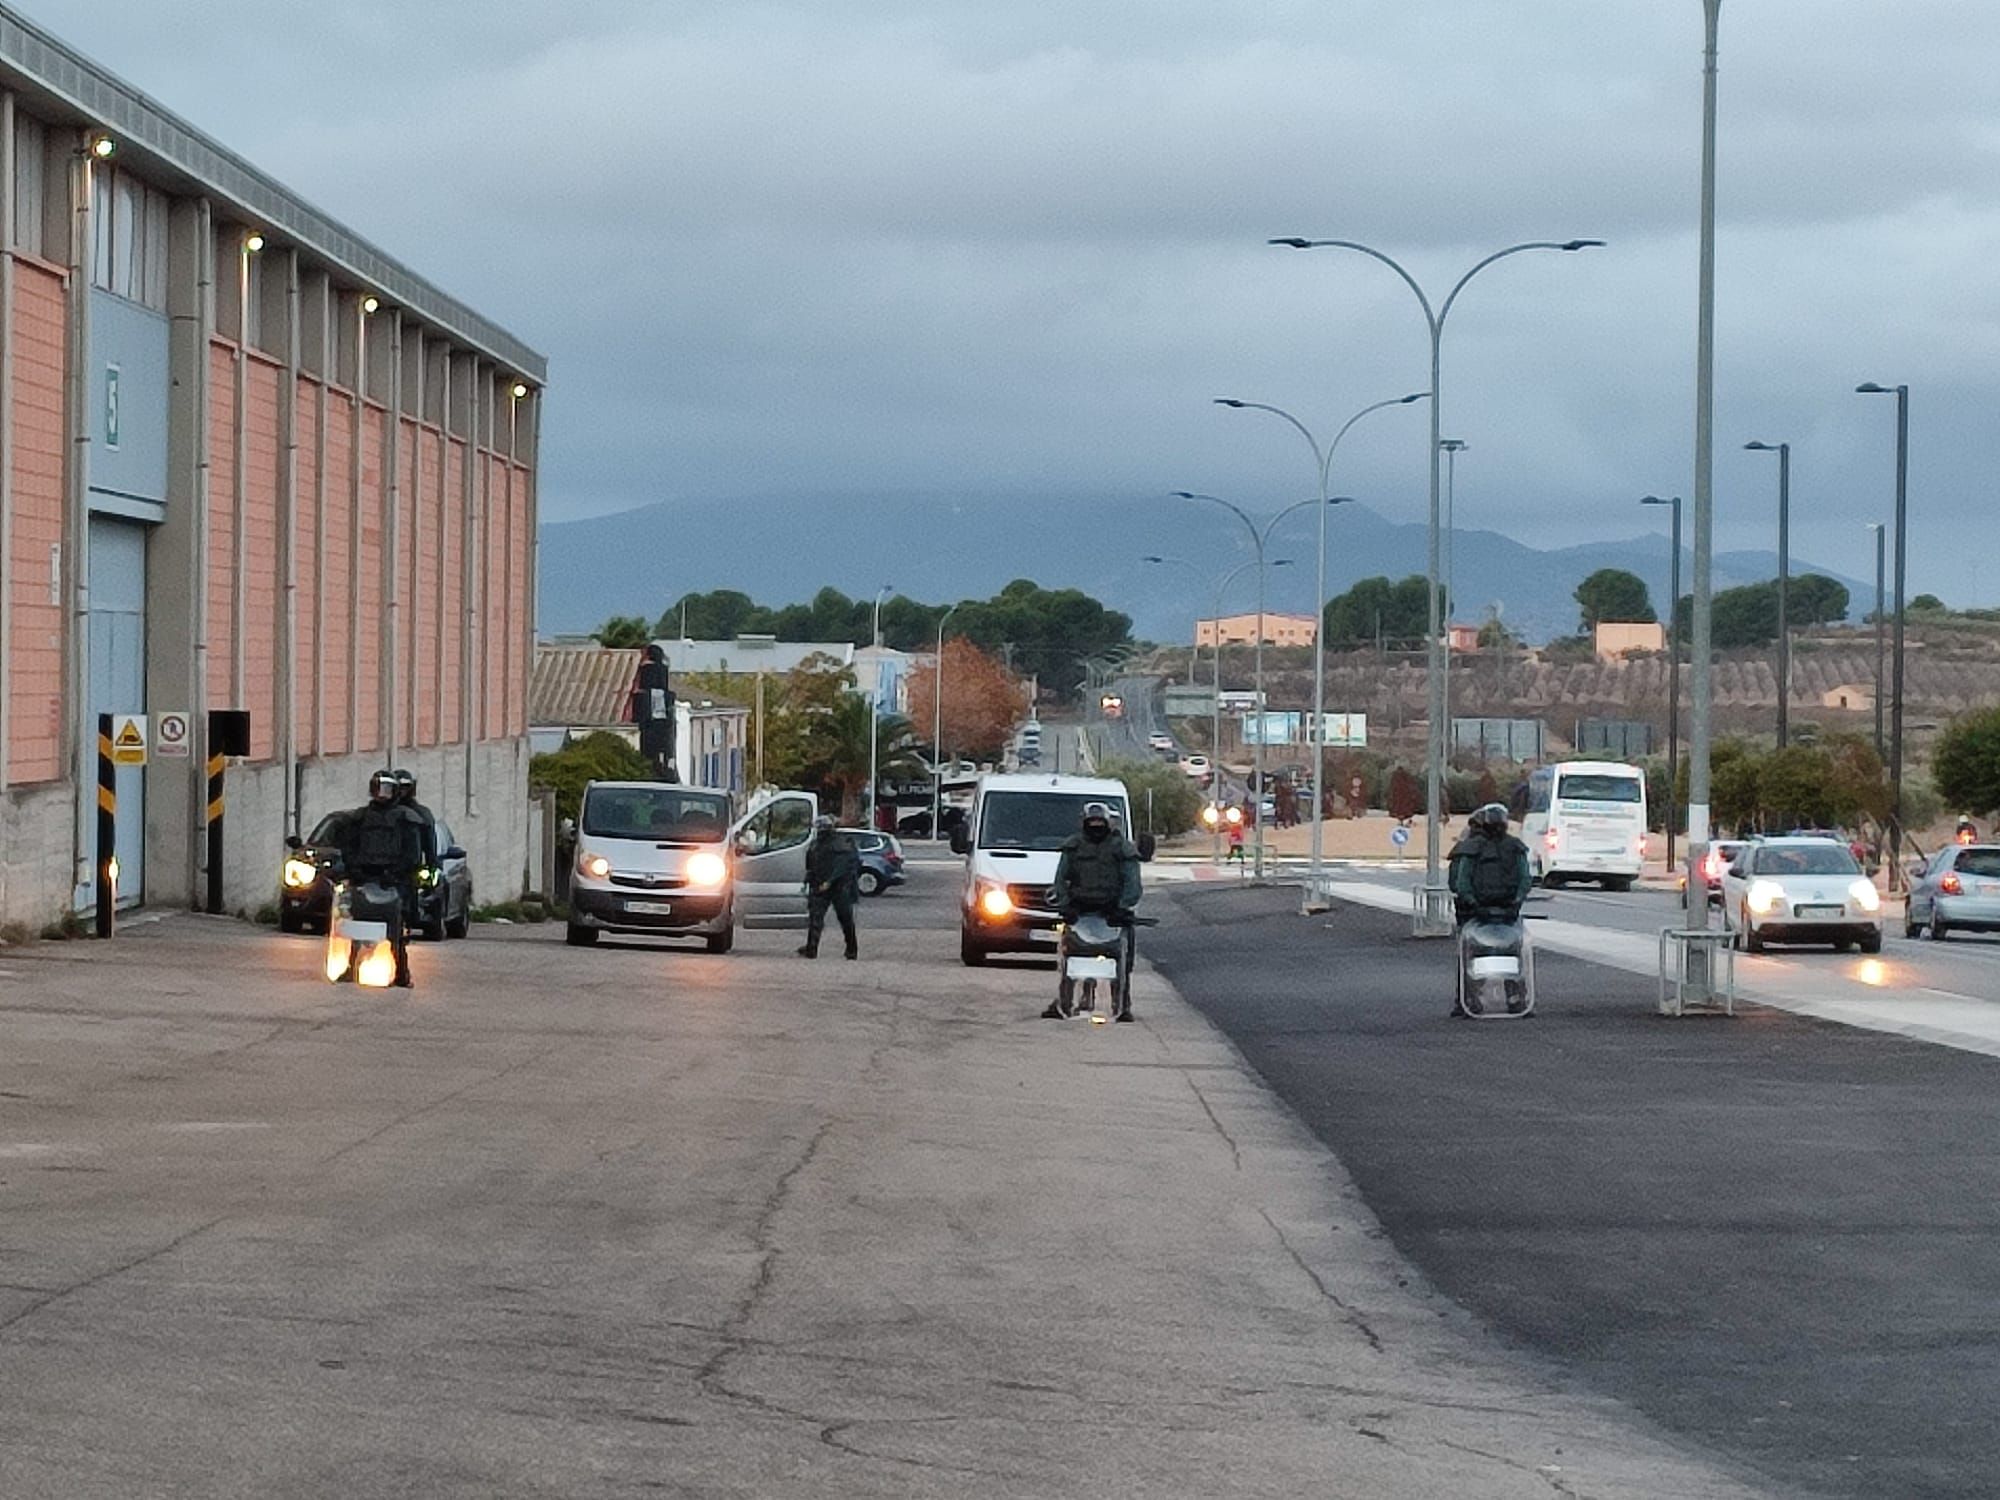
(382, 786)
(824, 823)
(1492, 818)
(406, 784)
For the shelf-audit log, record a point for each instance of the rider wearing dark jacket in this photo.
(833, 878)
(382, 843)
(1489, 870)
(1098, 873)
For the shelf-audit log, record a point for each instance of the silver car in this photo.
(1808, 890)
(1959, 891)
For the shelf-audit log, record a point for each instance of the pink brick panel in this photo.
(370, 540)
(493, 602)
(222, 579)
(424, 602)
(263, 591)
(35, 454)
(518, 589)
(452, 595)
(305, 567)
(339, 570)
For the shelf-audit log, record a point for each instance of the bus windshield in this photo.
(1595, 786)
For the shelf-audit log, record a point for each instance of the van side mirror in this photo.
(961, 840)
(1148, 845)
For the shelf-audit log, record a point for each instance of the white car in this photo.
(1801, 891)
(1195, 766)
(1159, 739)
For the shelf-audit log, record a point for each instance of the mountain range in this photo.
(781, 549)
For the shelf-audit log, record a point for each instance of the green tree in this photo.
(1612, 595)
(1375, 606)
(602, 756)
(1045, 632)
(720, 615)
(1793, 789)
(1965, 764)
(624, 632)
(1927, 604)
(1176, 802)
(1815, 599)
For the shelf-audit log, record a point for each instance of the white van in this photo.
(1012, 842)
(664, 860)
(1586, 820)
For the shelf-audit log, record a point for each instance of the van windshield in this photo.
(1038, 820)
(663, 814)
(1586, 786)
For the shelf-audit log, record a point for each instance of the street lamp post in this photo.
(1881, 626)
(875, 704)
(1258, 539)
(937, 729)
(1902, 395)
(1673, 676)
(1215, 705)
(1322, 466)
(1435, 318)
(1452, 448)
(1784, 452)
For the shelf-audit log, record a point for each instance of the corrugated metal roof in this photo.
(589, 687)
(50, 72)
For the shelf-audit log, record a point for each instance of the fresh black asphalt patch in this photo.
(1772, 1235)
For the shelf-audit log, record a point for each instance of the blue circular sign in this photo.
(1399, 836)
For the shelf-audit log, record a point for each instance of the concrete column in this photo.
(321, 305)
(392, 543)
(361, 326)
(413, 543)
(79, 748)
(288, 548)
(9, 234)
(177, 565)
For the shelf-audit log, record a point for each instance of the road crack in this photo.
(1347, 1312)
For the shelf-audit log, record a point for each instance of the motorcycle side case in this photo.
(1496, 971)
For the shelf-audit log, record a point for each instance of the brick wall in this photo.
(34, 710)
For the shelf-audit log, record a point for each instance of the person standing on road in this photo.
(833, 878)
(1098, 872)
(427, 837)
(382, 844)
(1490, 876)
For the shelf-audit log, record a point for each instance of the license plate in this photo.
(1822, 911)
(650, 908)
(1041, 935)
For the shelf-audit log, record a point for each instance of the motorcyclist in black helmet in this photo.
(428, 874)
(1490, 877)
(381, 843)
(1098, 872)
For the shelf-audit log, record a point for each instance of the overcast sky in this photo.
(830, 246)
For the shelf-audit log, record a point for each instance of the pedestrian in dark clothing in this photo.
(1098, 872)
(833, 878)
(382, 844)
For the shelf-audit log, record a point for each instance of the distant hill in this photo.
(781, 550)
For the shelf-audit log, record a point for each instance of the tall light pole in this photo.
(1452, 448)
(1673, 676)
(1435, 318)
(1902, 395)
(875, 704)
(1700, 631)
(937, 728)
(1784, 452)
(1881, 626)
(1215, 706)
(1322, 466)
(1258, 539)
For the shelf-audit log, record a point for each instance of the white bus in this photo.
(1586, 820)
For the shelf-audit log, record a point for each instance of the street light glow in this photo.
(253, 242)
(371, 305)
(103, 147)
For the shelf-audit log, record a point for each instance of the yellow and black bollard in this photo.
(107, 829)
(215, 765)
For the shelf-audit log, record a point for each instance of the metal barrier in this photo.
(1697, 972)
(1433, 911)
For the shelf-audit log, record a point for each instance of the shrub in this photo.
(1176, 800)
(602, 756)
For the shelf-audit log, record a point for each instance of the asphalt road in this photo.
(1779, 1237)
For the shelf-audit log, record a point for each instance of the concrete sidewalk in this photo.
(629, 1221)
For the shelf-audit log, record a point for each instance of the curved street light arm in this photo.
(1502, 255)
(1369, 250)
(1326, 463)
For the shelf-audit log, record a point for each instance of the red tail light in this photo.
(1711, 866)
(1642, 846)
(1951, 885)
(1551, 838)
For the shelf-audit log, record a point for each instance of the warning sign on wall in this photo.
(170, 736)
(128, 739)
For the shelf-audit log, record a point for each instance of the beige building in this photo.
(1241, 630)
(1621, 639)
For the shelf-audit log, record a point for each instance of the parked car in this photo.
(1801, 891)
(1958, 891)
(1722, 853)
(311, 869)
(1160, 740)
(881, 859)
(1196, 766)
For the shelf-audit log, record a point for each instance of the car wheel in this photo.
(433, 932)
(290, 921)
(460, 925)
(970, 953)
(1937, 932)
(1872, 943)
(1844, 945)
(869, 883)
(723, 941)
(1618, 883)
(1752, 943)
(1911, 927)
(580, 937)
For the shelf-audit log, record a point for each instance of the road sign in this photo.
(128, 739)
(1399, 836)
(170, 739)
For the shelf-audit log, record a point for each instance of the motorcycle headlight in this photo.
(1765, 897)
(706, 870)
(299, 874)
(593, 866)
(1864, 895)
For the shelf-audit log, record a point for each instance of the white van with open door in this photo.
(1586, 820)
(658, 859)
(1012, 843)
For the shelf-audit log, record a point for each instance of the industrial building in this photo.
(247, 462)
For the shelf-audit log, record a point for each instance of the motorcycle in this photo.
(1098, 950)
(1496, 967)
(361, 934)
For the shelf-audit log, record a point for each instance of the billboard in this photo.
(1271, 728)
(1347, 730)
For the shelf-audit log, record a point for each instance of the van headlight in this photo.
(593, 867)
(1864, 895)
(995, 902)
(706, 870)
(299, 874)
(1765, 897)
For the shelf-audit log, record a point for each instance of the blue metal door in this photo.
(118, 686)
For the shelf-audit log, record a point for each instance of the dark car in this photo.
(881, 859)
(311, 868)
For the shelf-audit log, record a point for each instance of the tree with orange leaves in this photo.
(983, 701)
